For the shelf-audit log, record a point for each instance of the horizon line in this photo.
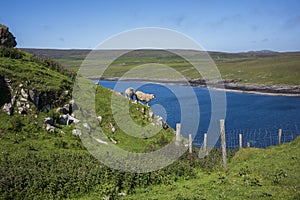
(218, 51)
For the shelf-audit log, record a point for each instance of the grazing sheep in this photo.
(140, 96)
(130, 93)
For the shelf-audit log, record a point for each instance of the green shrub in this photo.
(11, 53)
(16, 123)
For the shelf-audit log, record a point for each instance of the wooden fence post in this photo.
(190, 143)
(248, 144)
(241, 140)
(223, 142)
(279, 136)
(178, 130)
(205, 143)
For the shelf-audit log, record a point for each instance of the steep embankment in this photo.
(41, 154)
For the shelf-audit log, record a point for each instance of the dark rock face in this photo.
(7, 39)
(5, 95)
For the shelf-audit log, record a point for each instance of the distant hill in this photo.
(254, 67)
(73, 53)
(262, 51)
(56, 53)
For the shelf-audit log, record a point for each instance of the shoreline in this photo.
(227, 85)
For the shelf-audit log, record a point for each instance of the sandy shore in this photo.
(229, 86)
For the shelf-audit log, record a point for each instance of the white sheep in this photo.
(130, 93)
(141, 96)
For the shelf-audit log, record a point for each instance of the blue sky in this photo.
(230, 26)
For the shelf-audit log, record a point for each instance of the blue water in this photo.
(258, 117)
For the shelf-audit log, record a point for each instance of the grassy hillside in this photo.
(271, 173)
(251, 67)
(36, 164)
(44, 74)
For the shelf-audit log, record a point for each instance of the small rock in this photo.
(50, 128)
(72, 106)
(165, 125)
(13, 100)
(67, 119)
(62, 110)
(24, 93)
(100, 141)
(151, 115)
(23, 99)
(76, 132)
(8, 108)
(113, 129)
(73, 120)
(87, 126)
(121, 194)
(113, 141)
(99, 119)
(49, 120)
(33, 96)
(22, 110)
(63, 119)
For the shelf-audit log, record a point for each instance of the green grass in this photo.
(274, 70)
(251, 67)
(271, 173)
(36, 164)
(127, 142)
(36, 73)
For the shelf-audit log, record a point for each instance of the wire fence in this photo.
(259, 138)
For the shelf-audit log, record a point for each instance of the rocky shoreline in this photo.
(227, 85)
(253, 88)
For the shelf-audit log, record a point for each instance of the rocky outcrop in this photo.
(49, 120)
(8, 108)
(68, 108)
(67, 119)
(7, 39)
(44, 100)
(265, 88)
